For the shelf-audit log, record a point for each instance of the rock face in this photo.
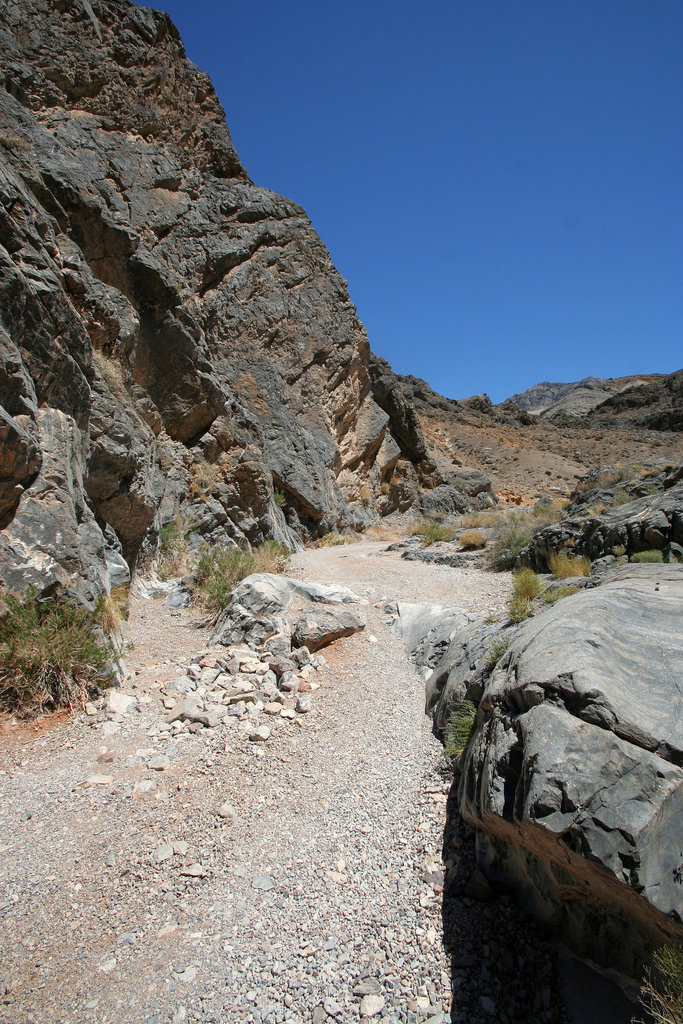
(173, 338)
(653, 522)
(573, 778)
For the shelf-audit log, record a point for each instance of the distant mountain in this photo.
(654, 399)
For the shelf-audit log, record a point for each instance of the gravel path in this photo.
(159, 877)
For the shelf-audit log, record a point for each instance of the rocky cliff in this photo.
(173, 338)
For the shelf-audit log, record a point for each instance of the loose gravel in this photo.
(167, 872)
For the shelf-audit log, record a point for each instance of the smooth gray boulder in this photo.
(574, 778)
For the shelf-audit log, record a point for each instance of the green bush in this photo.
(174, 557)
(647, 556)
(431, 530)
(507, 547)
(53, 654)
(278, 498)
(563, 566)
(551, 596)
(618, 550)
(459, 728)
(527, 584)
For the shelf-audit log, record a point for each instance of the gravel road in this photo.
(156, 876)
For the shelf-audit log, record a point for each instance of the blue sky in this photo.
(499, 181)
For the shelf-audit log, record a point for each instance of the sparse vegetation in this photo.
(489, 519)
(662, 998)
(385, 488)
(174, 550)
(203, 479)
(112, 609)
(506, 548)
(563, 565)
(219, 570)
(471, 540)
(647, 556)
(519, 608)
(278, 498)
(551, 596)
(459, 729)
(53, 654)
(618, 550)
(14, 142)
(431, 531)
(365, 494)
(331, 540)
(496, 651)
(527, 584)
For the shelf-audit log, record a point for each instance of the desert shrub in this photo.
(472, 539)
(14, 142)
(563, 566)
(459, 728)
(618, 550)
(111, 610)
(487, 519)
(647, 556)
(504, 550)
(331, 540)
(278, 498)
(220, 568)
(526, 584)
(385, 487)
(663, 998)
(519, 608)
(496, 651)
(53, 654)
(551, 596)
(203, 479)
(365, 494)
(431, 530)
(620, 497)
(173, 556)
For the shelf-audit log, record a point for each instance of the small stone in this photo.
(98, 780)
(159, 763)
(108, 965)
(260, 734)
(303, 704)
(371, 1005)
(227, 811)
(272, 708)
(288, 713)
(90, 709)
(163, 852)
(263, 882)
(289, 682)
(119, 703)
(367, 987)
(181, 848)
(143, 786)
(195, 870)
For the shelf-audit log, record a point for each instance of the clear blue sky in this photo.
(499, 181)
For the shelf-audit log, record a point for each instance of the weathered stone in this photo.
(317, 629)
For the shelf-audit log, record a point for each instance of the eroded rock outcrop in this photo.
(573, 777)
(186, 327)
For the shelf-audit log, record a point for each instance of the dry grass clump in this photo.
(332, 540)
(203, 479)
(53, 654)
(526, 587)
(471, 540)
(663, 998)
(460, 728)
(563, 565)
(431, 530)
(219, 570)
(365, 494)
(112, 609)
(647, 556)
(174, 555)
(496, 651)
(506, 548)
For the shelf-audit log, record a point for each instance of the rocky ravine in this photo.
(161, 870)
(173, 338)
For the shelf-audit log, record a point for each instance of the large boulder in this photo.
(574, 778)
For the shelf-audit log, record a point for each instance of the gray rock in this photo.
(318, 629)
(573, 777)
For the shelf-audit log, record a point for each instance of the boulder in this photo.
(574, 778)
(318, 629)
